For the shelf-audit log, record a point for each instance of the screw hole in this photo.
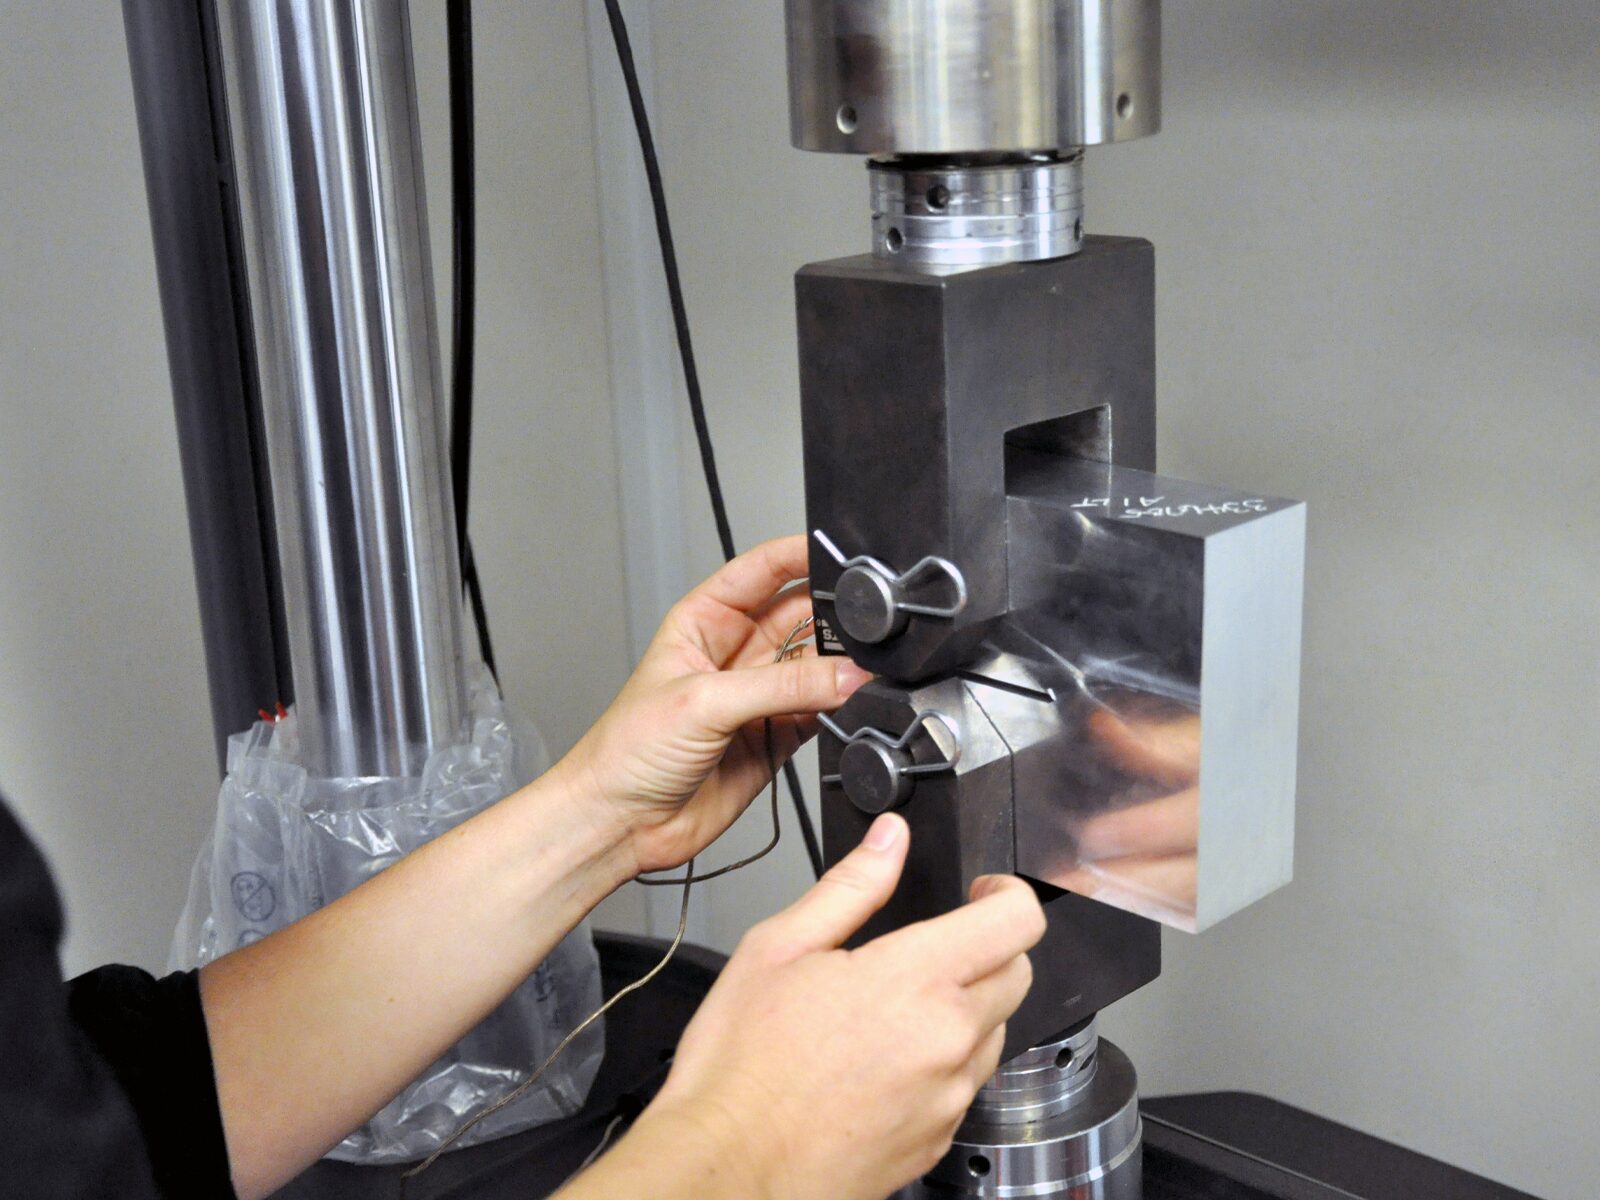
(1064, 1058)
(938, 197)
(846, 118)
(978, 1165)
(894, 239)
(1077, 230)
(1124, 106)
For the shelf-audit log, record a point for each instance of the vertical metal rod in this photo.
(322, 105)
(172, 54)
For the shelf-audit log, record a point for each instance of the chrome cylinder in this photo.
(1058, 1122)
(322, 111)
(978, 214)
(950, 77)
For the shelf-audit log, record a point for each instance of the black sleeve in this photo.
(121, 1107)
(152, 1034)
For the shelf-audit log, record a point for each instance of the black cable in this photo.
(463, 247)
(464, 287)
(691, 377)
(669, 264)
(808, 832)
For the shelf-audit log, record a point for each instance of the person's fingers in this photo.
(1002, 921)
(773, 625)
(744, 769)
(985, 1059)
(788, 735)
(735, 639)
(749, 581)
(1166, 750)
(854, 888)
(723, 701)
(716, 615)
(785, 618)
(996, 996)
(1169, 825)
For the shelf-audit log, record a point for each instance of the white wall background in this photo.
(1376, 230)
(105, 742)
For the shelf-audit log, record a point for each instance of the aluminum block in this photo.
(1162, 618)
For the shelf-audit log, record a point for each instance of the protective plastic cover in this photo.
(284, 844)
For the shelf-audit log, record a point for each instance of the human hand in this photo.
(830, 1074)
(682, 750)
(1143, 856)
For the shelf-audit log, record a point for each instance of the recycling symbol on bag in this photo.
(253, 896)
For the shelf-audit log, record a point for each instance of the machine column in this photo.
(321, 104)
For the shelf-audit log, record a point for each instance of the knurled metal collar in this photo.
(970, 215)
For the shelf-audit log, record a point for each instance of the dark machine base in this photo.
(1218, 1146)
(1239, 1146)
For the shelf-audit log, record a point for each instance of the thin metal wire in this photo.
(777, 832)
(589, 1159)
(788, 650)
(691, 376)
(689, 878)
(522, 1088)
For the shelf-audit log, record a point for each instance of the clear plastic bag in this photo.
(285, 843)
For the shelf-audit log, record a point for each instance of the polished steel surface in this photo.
(1090, 1149)
(322, 111)
(949, 77)
(939, 215)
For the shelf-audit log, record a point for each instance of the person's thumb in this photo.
(727, 700)
(854, 888)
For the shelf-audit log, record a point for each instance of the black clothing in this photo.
(106, 1084)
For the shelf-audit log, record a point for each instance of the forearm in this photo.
(677, 1153)
(316, 1027)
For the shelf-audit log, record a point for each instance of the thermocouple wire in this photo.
(691, 376)
(599, 1149)
(521, 1089)
(463, 225)
(463, 174)
(686, 881)
(788, 650)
